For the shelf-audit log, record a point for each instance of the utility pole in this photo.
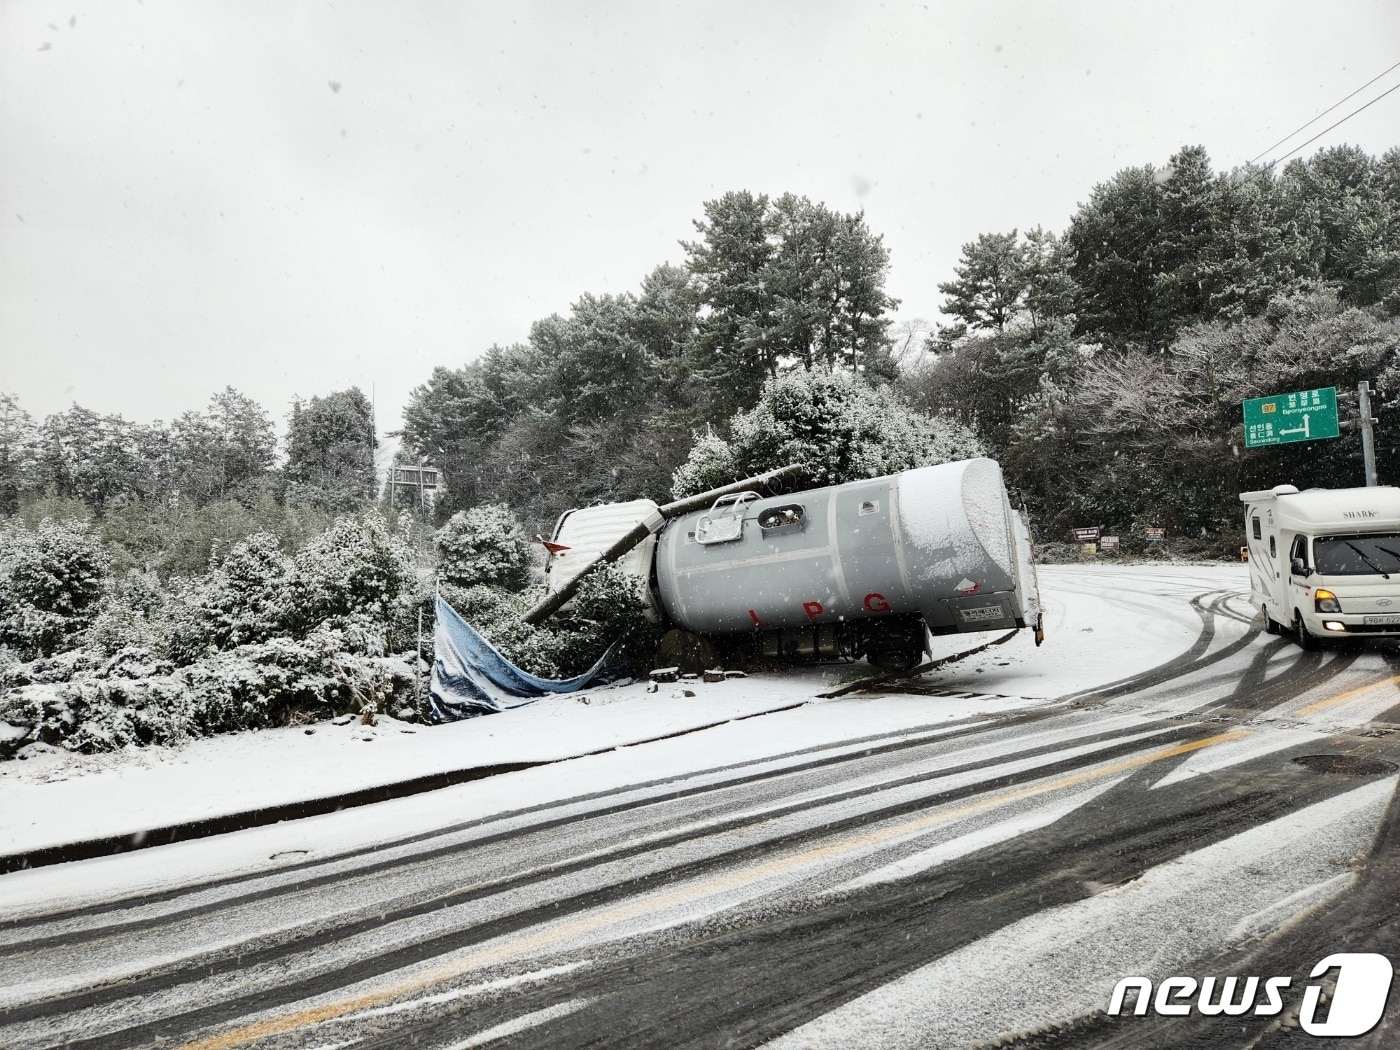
(418, 663)
(1368, 437)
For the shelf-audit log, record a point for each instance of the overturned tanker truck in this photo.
(865, 569)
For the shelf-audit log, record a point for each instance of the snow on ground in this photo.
(1102, 624)
(1072, 955)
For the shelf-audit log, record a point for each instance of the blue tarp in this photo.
(471, 678)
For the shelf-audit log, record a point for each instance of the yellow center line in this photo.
(1342, 697)
(555, 935)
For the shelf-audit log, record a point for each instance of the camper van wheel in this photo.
(1271, 626)
(1307, 641)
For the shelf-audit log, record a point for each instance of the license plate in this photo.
(994, 612)
(1381, 618)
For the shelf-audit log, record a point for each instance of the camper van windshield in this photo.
(1374, 555)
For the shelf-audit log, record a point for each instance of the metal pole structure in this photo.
(1368, 437)
(418, 663)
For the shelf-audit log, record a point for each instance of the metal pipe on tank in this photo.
(552, 603)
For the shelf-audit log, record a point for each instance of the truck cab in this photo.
(1325, 563)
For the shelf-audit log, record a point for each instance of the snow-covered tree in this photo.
(484, 545)
(356, 570)
(836, 426)
(50, 581)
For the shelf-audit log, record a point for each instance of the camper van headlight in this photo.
(1327, 601)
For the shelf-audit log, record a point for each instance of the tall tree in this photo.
(594, 407)
(330, 448)
(1112, 238)
(730, 263)
(95, 458)
(247, 439)
(17, 452)
(991, 283)
(783, 282)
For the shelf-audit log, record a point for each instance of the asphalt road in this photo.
(1230, 812)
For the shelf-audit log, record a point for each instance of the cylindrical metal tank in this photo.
(936, 542)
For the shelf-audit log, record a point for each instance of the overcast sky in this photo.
(291, 198)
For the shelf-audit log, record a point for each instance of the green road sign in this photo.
(1305, 416)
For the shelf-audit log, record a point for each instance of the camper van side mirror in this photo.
(1300, 569)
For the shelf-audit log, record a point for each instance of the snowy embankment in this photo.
(1102, 623)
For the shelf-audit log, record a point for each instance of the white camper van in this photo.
(1325, 563)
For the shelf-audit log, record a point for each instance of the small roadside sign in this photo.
(1154, 535)
(1108, 544)
(1281, 419)
(1088, 535)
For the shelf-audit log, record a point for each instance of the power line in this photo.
(1305, 145)
(1126, 251)
(1324, 113)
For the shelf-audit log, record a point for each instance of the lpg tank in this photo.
(937, 543)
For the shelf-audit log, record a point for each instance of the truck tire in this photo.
(1307, 641)
(1271, 626)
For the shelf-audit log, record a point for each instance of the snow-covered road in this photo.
(1160, 790)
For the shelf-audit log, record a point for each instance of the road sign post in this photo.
(1282, 419)
(1368, 437)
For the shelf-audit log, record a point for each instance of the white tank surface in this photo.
(588, 531)
(939, 544)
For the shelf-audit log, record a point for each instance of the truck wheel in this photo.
(1306, 640)
(1271, 626)
(905, 659)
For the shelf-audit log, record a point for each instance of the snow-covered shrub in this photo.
(496, 614)
(245, 597)
(250, 686)
(269, 683)
(103, 714)
(136, 698)
(50, 581)
(835, 425)
(710, 464)
(358, 567)
(606, 607)
(484, 545)
(130, 614)
(249, 600)
(61, 667)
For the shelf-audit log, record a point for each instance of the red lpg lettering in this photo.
(756, 621)
(877, 602)
(812, 609)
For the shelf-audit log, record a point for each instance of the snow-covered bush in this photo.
(134, 699)
(357, 568)
(497, 615)
(835, 425)
(285, 680)
(711, 463)
(484, 545)
(606, 607)
(130, 614)
(61, 667)
(250, 686)
(51, 578)
(246, 597)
